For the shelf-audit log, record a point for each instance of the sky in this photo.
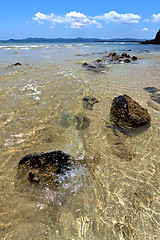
(101, 19)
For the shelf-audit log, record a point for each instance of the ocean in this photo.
(106, 195)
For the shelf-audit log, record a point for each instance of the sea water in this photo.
(104, 196)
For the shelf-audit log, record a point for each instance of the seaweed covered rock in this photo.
(42, 168)
(127, 113)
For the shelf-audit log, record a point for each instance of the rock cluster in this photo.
(127, 113)
(100, 65)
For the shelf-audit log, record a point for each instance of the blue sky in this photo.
(85, 18)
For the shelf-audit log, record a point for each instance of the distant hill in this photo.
(68, 40)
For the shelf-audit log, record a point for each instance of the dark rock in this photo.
(126, 60)
(151, 89)
(115, 58)
(85, 64)
(17, 64)
(124, 55)
(155, 93)
(134, 58)
(96, 66)
(42, 168)
(88, 102)
(81, 121)
(156, 97)
(98, 60)
(157, 37)
(112, 54)
(127, 113)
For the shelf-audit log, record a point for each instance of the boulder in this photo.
(127, 113)
(125, 55)
(42, 168)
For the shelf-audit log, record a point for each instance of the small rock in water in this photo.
(126, 60)
(112, 54)
(127, 113)
(17, 64)
(42, 168)
(88, 102)
(134, 58)
(81, 121)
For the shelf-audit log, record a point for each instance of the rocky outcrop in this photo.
(127, 113)
(155, 41)
(42, 168)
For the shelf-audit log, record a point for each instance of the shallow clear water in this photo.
(104, 196)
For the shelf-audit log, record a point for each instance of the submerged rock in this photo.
(66, 120)
(88, 102)
(97, 66)
(127, 113)
(154, 93)
(81, 121)
(42, 168)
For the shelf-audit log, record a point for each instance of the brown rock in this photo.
(126, 60)
(127, 113)
(134, 58)
(112, 54)
(42, 168)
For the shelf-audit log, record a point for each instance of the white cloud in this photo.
(145, 29)
(79, 20)
(156, 18)
(112, 16)
(146, 20)
(75, 19)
